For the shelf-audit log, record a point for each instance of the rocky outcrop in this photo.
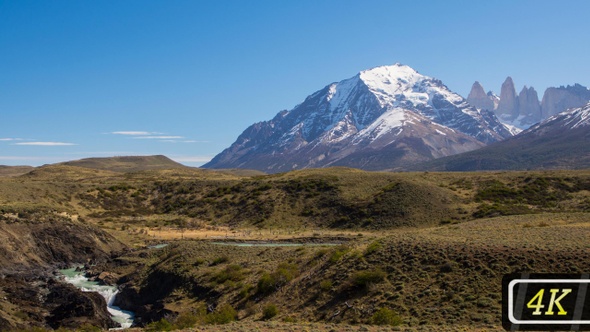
(557, 100)
(72, 308)
(508, 105)
(494, 98)
(38, 238)
(529, 108)
(43, 301)
(32, 244)
(525, 110)
(478, 98)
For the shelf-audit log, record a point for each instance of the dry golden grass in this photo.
(446, 270)
(323, 327)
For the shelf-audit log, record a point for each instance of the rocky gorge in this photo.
(34, 245)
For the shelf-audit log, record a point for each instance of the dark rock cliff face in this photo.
(508, 105)
(146, 297)
(32, 245)
(72, 308)
(524, 110)
(478, 98)
(529, 108)
(556, 100)
(43, 301)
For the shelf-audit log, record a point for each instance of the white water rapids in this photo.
(77, 278)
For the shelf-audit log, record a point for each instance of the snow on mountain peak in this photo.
(575, 118)
(570, 119)
(388, 114)
(389, 83)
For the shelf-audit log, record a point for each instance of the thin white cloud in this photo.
(184, 141)
(45, 143)
(132, 133)
(158, 137)
(7, 139)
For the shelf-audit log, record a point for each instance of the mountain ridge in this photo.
(351, 122)
(524, 109)
(560, 142)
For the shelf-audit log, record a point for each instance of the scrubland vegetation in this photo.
(367, 249)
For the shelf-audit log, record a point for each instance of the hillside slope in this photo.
(127, 163)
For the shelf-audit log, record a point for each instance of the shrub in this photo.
(187, 320)
(266, 284)
(446, 267)
(338, 253)
(326, 285)
(245, 291)
(89, 328)
(219, 260)
(320, 253)
(269, 311)
(365, 278)
(223, 315)
(232, 272)
(373, 247)
(161, 325)
(285, 272)
(386, 316)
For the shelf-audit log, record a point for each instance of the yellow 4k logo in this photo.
(537, 302)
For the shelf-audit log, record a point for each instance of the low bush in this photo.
(385, 316)
(269, 311)
(161, 325)
(223, 315)
(373, 247)
(269, 282)
(365, 278)
(326, 285)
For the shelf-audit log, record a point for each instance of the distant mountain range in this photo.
(382, 118)
(560, 142)
(524, 109)
(394, 118)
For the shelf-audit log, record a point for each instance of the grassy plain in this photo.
(423, 248)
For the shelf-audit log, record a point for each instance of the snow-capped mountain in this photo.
(560, 142)
(379, 119)
(570, 119)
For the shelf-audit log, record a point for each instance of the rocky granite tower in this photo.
(508, 105)
(478, 98)
(529, 108)
(556, 100)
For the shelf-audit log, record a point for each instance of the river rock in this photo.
(107, 278)
(73, 308)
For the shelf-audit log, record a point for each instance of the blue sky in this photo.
(85, 79)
